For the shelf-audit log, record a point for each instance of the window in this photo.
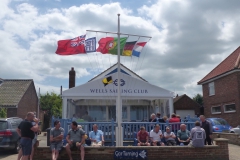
(138, 113)
(3, 125)
(229, 108)
(211, 89)
(98, 113)
(216, 110)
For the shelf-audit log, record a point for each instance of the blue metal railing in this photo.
(129, 128)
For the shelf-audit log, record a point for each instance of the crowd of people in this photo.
(199, 136)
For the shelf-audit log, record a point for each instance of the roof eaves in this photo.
(219, 76)
(121, 65)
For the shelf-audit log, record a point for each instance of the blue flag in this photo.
(90, 45)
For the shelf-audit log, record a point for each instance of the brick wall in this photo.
(29, 102)
(215, 152)
(186, 103)
(226, 91)
(233, 138)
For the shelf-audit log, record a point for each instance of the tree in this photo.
(51, 104)
(198, 98)
(3, 112)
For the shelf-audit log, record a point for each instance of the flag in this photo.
(90, 45)
(127, 51)
(107, 80)
(138, 48)
(109, 45)
(71, 46)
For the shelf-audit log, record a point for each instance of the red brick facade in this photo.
(227, 91)
(186, 103)
(214, 152)
(29, 102)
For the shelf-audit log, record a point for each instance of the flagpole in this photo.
(126, 34)
(119, 107)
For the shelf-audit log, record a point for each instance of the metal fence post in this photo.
(113, 128)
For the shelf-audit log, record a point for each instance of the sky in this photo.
(189, 39)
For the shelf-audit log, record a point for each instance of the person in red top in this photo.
(175, 119)
(142, 137)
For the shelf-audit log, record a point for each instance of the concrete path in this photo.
(234, 150)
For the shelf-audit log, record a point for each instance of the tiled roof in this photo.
(229, 64)
(114, 66)
(12, 90)
(177, 98)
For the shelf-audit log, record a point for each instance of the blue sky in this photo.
(189, 38)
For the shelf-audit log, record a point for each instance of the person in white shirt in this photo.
(155, 136)
(169, 137)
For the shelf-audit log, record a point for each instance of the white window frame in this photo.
(224, 107)
(216, 112)
(211, 88)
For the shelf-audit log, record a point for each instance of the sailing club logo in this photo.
(122, 82)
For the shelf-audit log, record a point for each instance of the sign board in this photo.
(127, 154)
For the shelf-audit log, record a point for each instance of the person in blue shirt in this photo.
(96, 137)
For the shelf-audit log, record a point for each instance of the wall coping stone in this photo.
(225, 133)
(221, 139)
(143, 147)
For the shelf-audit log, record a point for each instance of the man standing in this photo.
(155, 136)
(206, 125)
(198, 136)
(26, 130)
(75, 139)
(96, 137)
(183, 135)
(142, 137)
(56, 137)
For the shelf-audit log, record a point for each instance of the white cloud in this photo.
(189, 39)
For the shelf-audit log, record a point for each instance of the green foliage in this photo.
(3, 112)
(51, 104)
(199, 99)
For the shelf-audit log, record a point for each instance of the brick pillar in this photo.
(72, 76)
(223, 144)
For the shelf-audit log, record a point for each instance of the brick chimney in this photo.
(72, 76)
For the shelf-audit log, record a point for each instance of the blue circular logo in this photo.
(122, 82)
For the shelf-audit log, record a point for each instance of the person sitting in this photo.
(174, 119)
(169, 137)
(74, 118)
(197, 135)
(56, 137)
(86, 136)
(96, 137)
(142, 137)
(155, 136)
(183, 135)
(178, 116)
(153, 118)
(75, 139)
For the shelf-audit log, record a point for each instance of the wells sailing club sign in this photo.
(108, 80)
(137, 154)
